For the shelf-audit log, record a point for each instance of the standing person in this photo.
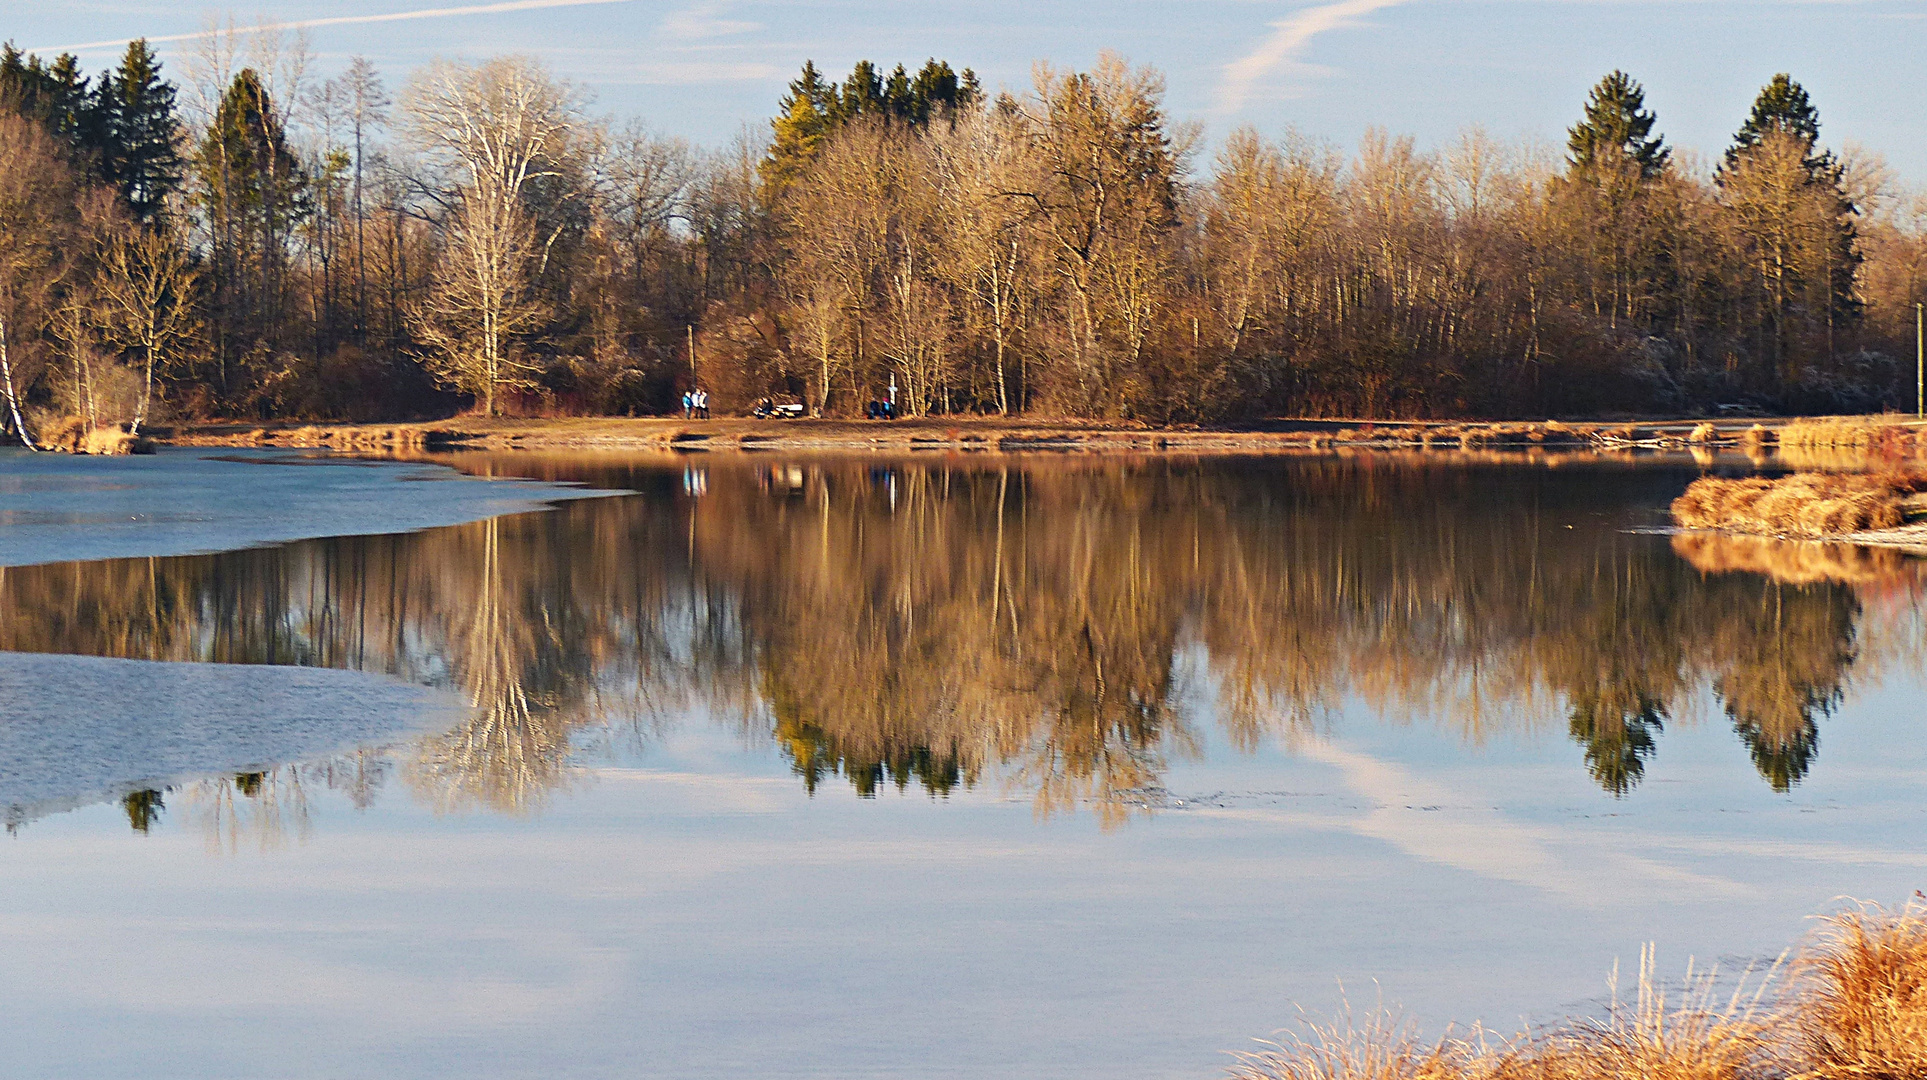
(688, 403)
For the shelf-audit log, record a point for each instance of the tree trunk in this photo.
(13, 401)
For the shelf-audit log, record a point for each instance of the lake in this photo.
(961, 766)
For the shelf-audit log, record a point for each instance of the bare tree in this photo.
(495, 133)
(145, 281)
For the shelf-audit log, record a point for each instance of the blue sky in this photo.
(1330, 69)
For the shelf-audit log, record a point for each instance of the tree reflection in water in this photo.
(1067, 626)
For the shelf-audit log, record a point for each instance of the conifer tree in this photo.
(1783, 105)
(1617, 124)
(807, 114)
(1789, 202)
(862, 92)
(897, 96)
(137, 111)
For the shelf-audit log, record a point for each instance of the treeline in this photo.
(255, 242)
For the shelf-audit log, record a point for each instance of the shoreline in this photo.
(981, 435)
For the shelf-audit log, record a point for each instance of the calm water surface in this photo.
(935, 767)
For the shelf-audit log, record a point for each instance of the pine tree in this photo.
(897, 98)
(56, 95)
(862, 92)
(934, 91)
(1783, 105)
(1617, 127)
(1788, 198)
(970, 92)
(807, 115)
(142, 129)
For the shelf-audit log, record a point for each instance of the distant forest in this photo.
(255, 242)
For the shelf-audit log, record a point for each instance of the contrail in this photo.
(348, 20)
(1289, 37)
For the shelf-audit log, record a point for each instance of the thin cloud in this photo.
(503, 7)
(704, 21)
(1288, 39)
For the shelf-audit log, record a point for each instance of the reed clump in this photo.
(1855, 1008)
(1703, 433)
(1859, 996)
(1889, 434)
(73, 435)
(1801, 504)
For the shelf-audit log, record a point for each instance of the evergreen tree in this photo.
(898, 99)
(138, 110)
(56, 95)
(808, 113)
(1617, 126)
(1783, 105)
(1789, 201)
(862, 92)
(970, 92)
(253, 193)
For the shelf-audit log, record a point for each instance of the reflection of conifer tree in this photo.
(143, 809)
(1786, 669)
(1618, 737)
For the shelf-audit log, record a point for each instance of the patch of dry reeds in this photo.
(1888, 434)
(1855, 1008)
(113, 441)
(1795, 562)
(1801, 504)
(72, 435)
(1380, 1049)
(1859, 997)
(1703, 432)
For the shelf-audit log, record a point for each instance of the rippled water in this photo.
(932, 767)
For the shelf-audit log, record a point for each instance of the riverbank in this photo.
(962, 434)
(1853, 1006)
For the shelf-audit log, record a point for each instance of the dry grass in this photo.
(1381, 1049)
(1703, 433)
(70, 434)
(1855, 1009)
(1859, 1001)
(1795, 562)
(1888, 434)
(1802, 504)
(114, 441)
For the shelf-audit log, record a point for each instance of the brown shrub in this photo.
(1860, 996)
(1703, 433)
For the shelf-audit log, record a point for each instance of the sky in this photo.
(1428, 68)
